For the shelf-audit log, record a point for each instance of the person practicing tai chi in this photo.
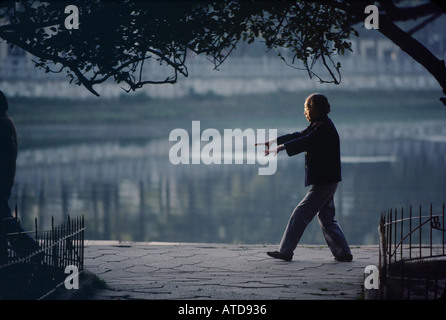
(320, 142)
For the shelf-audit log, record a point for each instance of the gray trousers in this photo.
(318, 201)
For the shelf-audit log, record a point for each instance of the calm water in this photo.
(127, 189)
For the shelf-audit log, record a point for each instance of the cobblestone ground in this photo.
(221, 271)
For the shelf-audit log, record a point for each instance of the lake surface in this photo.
(127, 189)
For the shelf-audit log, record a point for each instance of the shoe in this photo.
(278, 255)
(344, 258)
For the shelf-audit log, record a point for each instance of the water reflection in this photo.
(130, 191)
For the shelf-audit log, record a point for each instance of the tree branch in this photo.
(55, 59)
(406, 13)
(416, 50)
(424, 23)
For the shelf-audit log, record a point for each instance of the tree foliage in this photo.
(116, 39)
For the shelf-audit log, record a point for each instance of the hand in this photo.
(275, 150)
(266, 143)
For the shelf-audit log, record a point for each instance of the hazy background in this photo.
(107, 158)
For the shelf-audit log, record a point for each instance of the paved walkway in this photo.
(223, 271)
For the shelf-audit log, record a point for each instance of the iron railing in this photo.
(37, 273)
(407, 237)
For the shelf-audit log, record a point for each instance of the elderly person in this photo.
(320, 142)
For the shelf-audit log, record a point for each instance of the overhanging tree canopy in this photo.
(116, 38)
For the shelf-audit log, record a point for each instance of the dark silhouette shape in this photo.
(116, 39)
(320, 142)
(23, 244)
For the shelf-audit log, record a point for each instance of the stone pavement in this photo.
(172, 271)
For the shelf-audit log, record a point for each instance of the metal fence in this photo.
(35, 273)
(412, 236)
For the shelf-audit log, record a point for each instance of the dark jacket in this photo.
(8, 151)
(320, 142)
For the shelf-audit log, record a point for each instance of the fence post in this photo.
(394, 234)
(401, 233)
(410, 232)
(82, 242)
(389, 228)
(430, 231)
(382, 254)
(420, 240)
(444, 230)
